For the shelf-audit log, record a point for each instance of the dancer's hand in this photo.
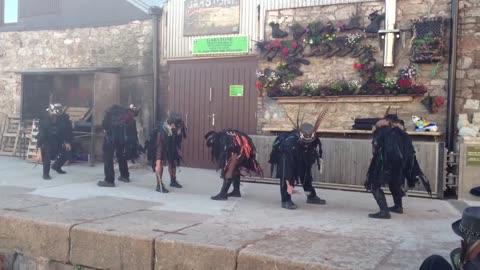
(290, 188)
(38, 156)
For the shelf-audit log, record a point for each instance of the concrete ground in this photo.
(71, 221)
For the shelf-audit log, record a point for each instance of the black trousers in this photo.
(395, 189)
(291, 171)
(54, 152)
(109, 149)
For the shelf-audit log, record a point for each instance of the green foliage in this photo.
(428, 43)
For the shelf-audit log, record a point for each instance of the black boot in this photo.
(357, 51)
(289, 205)
(295, 70)
(105, 184)
(46, 177)
(313, 52)
(332, 50)
(375, 20)
(315, 200)
(174, 183)
(322, 51)
(236, 188)
(161, 188)
(277, 32)
(58, 170)
(271, 55)
(382, 203)
(298, 60)
(298, 31)
(223, 196)
(123, 179)
(398, 207)
(354, 23)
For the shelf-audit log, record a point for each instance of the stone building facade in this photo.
(324, 70)
(468, 65)
(128, 46)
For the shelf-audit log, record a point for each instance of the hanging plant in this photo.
(428, 44)
(433, 103)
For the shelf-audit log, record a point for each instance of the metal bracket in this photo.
(382, 33)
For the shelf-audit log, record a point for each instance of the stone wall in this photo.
(128, 46)
(326, 70)
(468, 65)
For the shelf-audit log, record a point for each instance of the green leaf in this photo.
(434, 71)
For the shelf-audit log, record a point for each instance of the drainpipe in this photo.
(155, 12)
(452, 77)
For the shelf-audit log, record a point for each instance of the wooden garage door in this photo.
(200, 91)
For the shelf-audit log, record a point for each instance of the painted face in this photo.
(55, 109)
(176, 124)
(307, 133)
(134, 109)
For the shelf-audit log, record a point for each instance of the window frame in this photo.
(2, 13)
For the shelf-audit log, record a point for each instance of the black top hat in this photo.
(469, 226)
(469, 229)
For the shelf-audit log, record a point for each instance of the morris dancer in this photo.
(54, 139)
(232, 151)
(393, 161)
(164, 148)
(294, 154)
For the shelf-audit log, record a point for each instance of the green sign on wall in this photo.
(221, 45)
(236, 90)
(473, 155)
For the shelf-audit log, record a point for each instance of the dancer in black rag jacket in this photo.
(393, 162)
(232, 150)
(120, 138)
(54, 139)
(293, 154)
(164, 147)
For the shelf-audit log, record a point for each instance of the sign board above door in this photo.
(212, 17)
(220, 45)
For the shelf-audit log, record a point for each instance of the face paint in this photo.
(307, 133)
(55, 109)
(134, 109)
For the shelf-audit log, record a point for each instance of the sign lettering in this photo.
(220, 45)
(473, 156)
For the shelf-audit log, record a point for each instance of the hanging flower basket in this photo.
(428, 43)
(427, 56)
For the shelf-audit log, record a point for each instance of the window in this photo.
(9, 11)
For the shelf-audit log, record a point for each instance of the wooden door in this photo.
(200, 91)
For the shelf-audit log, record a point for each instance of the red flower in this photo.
(357, 66)
(259, 84)
(294, 45)
(285, 51)
(275, 44)
(437, 43)
(439, 101)
(404, 83)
